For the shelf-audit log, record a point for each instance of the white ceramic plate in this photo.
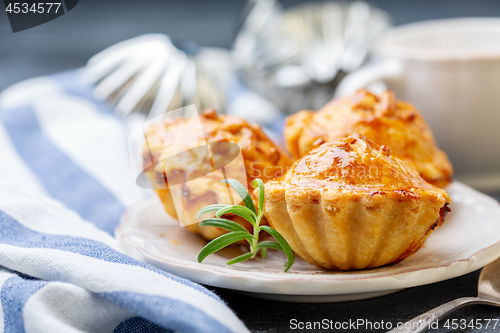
(468, 240)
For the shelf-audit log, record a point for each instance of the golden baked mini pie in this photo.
(382, 119)
(261, 159)
(349, 204)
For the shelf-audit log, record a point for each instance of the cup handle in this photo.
(387, 70)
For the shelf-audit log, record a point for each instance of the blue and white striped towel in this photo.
(64, 182)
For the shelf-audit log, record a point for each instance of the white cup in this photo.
(450, 70)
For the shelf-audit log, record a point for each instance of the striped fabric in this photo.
(65, 180)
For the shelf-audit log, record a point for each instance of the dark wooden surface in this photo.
(275, 317)
(93, 25)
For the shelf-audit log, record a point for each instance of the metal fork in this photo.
(488, 293)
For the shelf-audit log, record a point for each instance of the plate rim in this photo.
(220, 276)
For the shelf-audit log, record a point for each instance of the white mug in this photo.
(450, 70)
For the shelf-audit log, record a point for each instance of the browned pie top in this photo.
(382, 119)
(355, 164)
(262, 158)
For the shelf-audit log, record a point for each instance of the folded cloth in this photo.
(65, 180)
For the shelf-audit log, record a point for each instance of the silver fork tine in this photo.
(116, 80)
(167, 87)
(104, 62)
(141, 86)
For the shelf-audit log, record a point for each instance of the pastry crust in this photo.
(382, 119)
(262, 159)
(349, 205)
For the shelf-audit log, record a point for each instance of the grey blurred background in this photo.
(93, 25)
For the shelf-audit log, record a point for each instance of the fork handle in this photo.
(422, 322)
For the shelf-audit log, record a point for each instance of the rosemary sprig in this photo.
(238, 232)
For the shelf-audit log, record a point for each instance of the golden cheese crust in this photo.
(382, 119)
(261, 158)
(349, 204)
